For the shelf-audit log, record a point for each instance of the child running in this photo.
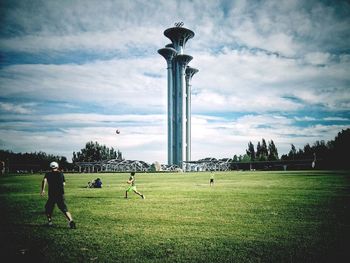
(132, 186)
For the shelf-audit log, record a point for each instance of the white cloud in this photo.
(139, 134)
(16, 108)
(317, 58)
(305, 118)
(122, 40)
(335, 119)
(116, 82)
(100, 118)
(230, 81)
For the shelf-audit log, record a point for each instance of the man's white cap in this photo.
(53, 165)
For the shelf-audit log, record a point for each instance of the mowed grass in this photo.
(245, 217)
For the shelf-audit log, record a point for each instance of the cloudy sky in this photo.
(75, 71)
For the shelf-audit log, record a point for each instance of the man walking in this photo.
(132, 186)
(55, 180)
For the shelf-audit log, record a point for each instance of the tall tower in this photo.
(179, 93)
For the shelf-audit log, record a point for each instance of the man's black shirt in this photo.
(55, 180)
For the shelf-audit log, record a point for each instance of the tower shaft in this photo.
(179, 124)
(189, 74)
(169, 53)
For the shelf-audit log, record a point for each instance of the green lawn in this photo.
(246, 217)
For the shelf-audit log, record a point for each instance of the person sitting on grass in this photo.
(98, 183)
(132, 186)
(91, 184)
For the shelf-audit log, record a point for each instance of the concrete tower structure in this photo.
(179, 93)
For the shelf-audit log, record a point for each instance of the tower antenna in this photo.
(179, 24)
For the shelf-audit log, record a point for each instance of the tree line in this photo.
(30, 162)
(39, 161)
(332, 154)
(264, 152)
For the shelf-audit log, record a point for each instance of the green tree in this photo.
(264, 152)
(235, 158)
(320, 148)
(273, 153)
(292, 153)
(94, 152)
(245, 158)
(308, 151)
(340, 149)
(251, 151)
(258, 151)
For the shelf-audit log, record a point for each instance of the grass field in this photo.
(299, 216)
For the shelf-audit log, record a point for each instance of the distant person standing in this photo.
(313, 164)
(55, 180)
(132, 186)
(2, 167)
(211, 180)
